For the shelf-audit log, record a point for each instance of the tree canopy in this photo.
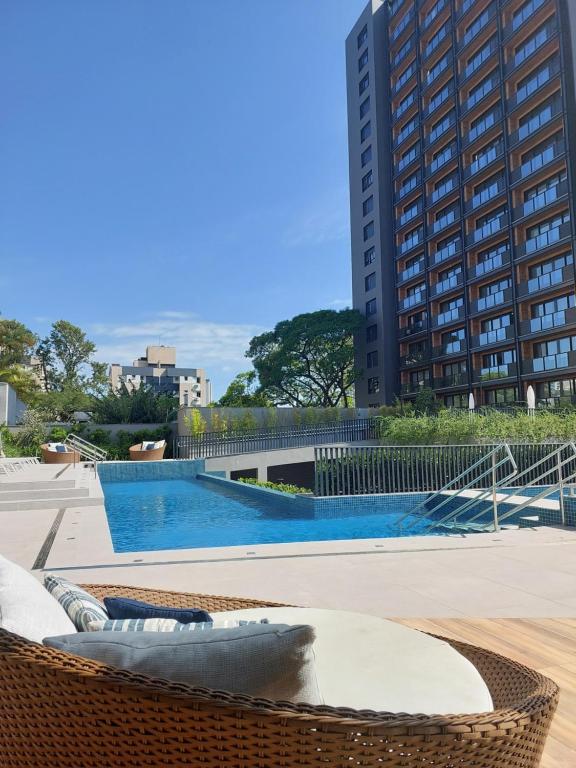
(309, 360)
(244, 392)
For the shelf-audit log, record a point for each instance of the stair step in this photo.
(61, 503)
(36, 485)
(57, 493)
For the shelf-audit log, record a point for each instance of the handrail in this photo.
(483, 494)
(86, 449)
(449, 486)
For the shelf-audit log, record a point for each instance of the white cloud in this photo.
(199, 343)
(340, 303)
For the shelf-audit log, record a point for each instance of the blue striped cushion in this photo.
(166, 625)
(81, 606)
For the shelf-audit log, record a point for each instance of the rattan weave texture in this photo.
(61, 711)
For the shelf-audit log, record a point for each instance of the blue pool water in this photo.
(146, 515)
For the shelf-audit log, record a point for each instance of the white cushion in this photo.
(26, 608)
(160, 444)
(148, 445)
(365, 662)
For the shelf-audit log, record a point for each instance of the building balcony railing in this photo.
(410, 387)
(453, 380)
(449, 186)
(409, 216)
(492, 227)
(403, 135)
(408, 245)
(547, 281)
(412, 329)
(535, 123)
(547, 156)
(447, 285)
(406, 76)
(446, 94)
(558, 319)
(415, 358)
(412, 301)
(439, 131)
(545, 240)
(535, 83)
(476, 97)
(512, 27)
(440, 161)
(479, 61)
(447, 252)
(485, 303)
(486, 196)
(464, 8)
(445, 221)
(433, 14)
(490, 265)
(493, 154)
(476, 30)
(405, 189)
(408, 102)
(497, 336)
(412, 271)
(540, 201)
(550, 362)
(504, 371)
(451, 348)
(451, 316)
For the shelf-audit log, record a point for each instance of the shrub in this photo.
(284, 487)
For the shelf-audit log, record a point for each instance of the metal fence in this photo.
(359, 470)
(230, 442)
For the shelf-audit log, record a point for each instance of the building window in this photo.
(363, 60)
(369, 256)
(502, 396)
(370, 281)
(476, 61)
(456, 401)
(364, 83)
(372, 359)
(403, 52)
(559, 304)
(556, 392)
(371, 333)
(365, 131)
(368, 205)
(367, 181)
(537, 117)
(545, 271)
(405, 76)
(366, 156)
(362, 36)
(437, 69)
(527, 48)
(436, 39)
(364, 108)
(369, 230)
(536, 78)
(453, 341)
(370, 307)
(525, 11)
(373, 385)
(475, 26)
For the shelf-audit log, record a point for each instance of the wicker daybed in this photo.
(63, 711)
(154, 454)
(59, 457)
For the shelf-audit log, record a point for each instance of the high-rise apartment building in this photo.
(158, 371)
(462, 135)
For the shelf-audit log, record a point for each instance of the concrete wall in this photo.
(11, 407)
(266, 417)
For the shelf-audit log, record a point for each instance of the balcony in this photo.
(545, 240)
(548, 113)
(407, 131)
(492, 373)
(412, 329)
(513, 26)
(411, 387)
(547, 281)
(478, 61)
(492, 227)
(449, 186)
(540, 201)
(405, 105)
(493, 154)
(436, 41)
(420, 357)
(490, 265)
(450, 250)
(483, 21)
(533, 45)
(440, 99)
(451, 316)
(550, 363)
(481, 92)
(454, 380)
(454, 281)
(485, 303)
(452, 348)
(487, 195)
(408, 245)
(497, 336)
(412, 301)
(445, 221)
(464, 8)
(480, 129)
(444, 157)
(535, 83)
(403, 25)
(547, 156)
(413, 271)
(434, 13)
(440, 130)
(544, 323)
(409, 215)
(406, 188)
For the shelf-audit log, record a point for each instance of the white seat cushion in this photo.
(26, 608)
(365, 662)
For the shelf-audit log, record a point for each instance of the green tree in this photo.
(425, 402)
(134, 406)
(309, 360)
(16, 343)
(244, 392)
(65, 353)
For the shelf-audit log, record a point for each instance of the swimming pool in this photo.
(149, 515)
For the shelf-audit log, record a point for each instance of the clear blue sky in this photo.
(173, 170)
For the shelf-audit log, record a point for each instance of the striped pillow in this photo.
(81, 606)
(166, 625)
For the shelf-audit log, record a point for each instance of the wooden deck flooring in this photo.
(547, 645)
